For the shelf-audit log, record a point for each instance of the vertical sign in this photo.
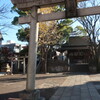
(71, 8)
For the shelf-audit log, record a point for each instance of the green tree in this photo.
(23, 34)
(50, 33)
(80, 31)
(64, 28)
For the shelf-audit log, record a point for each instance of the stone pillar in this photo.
(30, 93)
(11, 67)
(68, 64)
(24, 66)
(99, 58)
(32, 55)
(18, 65)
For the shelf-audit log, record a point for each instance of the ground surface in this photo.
(12, 85)
(72, 86)
(79, 86)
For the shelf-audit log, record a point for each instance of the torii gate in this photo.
(34, 18)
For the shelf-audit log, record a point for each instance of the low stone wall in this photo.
(57, 66)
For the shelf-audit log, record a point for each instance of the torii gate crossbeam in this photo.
(28, 4)
(61, 15)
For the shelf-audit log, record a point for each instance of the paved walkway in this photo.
(78, 87)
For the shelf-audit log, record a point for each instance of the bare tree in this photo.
(4, 15)
(91, 25)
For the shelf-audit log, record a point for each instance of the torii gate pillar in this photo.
(30, 93)
(32, 56)
(99, 58)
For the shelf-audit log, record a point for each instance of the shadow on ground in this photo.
(49, 92)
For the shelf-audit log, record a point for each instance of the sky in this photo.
(12, 30)
(9, 33)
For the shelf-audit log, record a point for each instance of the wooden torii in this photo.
(34, 18)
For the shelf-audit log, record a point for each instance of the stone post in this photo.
(99, 58)
(30, 93)
(32, 56)
(12, 67)
(18, 65)
(24, 66)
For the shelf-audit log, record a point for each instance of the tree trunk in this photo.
(44, 52)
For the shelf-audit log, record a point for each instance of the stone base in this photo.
(31, 95)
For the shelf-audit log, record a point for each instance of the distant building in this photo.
(78, 53)
(13, 47)
(78, 49)
(10, 56)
